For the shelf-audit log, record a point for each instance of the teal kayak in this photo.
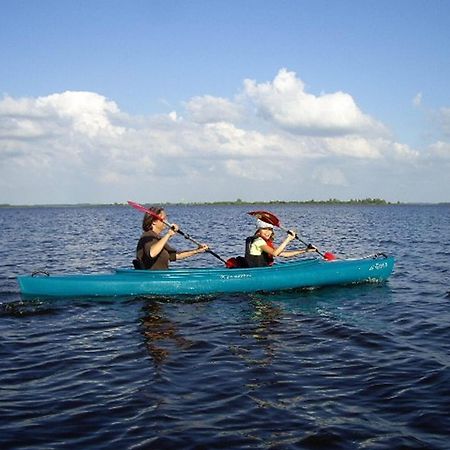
(307, 273)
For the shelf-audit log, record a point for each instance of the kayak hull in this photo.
(291, 275)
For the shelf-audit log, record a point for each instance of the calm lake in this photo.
(355, 367)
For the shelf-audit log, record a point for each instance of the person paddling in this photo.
(153, 250)
(260, 250)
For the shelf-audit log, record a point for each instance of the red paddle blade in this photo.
(328, 256)
(266, 216)
(144, 209)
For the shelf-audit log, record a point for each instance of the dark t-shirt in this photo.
(161, 261)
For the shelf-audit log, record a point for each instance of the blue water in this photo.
(360, 367)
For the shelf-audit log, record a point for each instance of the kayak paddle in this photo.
(271, 218)
(185, 235)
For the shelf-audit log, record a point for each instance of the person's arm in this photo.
(280, 249)
(289, 253)
(188, 253)
(158, 246)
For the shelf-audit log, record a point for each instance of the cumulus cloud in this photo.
(440, 150)
(85, 112)
(208, 109)
(285, 102)
(272, 132)
(330, 176)
(89, 113)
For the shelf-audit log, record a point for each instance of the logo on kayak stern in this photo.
(378, 266)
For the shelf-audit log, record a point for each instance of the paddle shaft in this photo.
(189, 238)
(301, 240)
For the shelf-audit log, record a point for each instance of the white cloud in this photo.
(254, 172)
(208, 109)
(353, 146)
(83, 112)
(440, 150)
(89, 113)
(216, 148)
(330, 176)
(286, 103)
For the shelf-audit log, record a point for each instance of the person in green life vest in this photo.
(153, 250)
(260, 250)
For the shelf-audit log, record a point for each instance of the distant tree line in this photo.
(331, 201)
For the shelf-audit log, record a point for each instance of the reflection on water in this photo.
(359, 305)
(257, 345)
(161, 334)
(24, 308)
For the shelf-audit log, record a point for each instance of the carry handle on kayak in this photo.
(182, 233)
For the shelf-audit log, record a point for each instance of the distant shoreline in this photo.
(238, 202)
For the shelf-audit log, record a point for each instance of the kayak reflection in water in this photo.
(161, 334)
(260, 250)
(153, 250)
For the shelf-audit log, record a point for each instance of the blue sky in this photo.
(217, 100)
